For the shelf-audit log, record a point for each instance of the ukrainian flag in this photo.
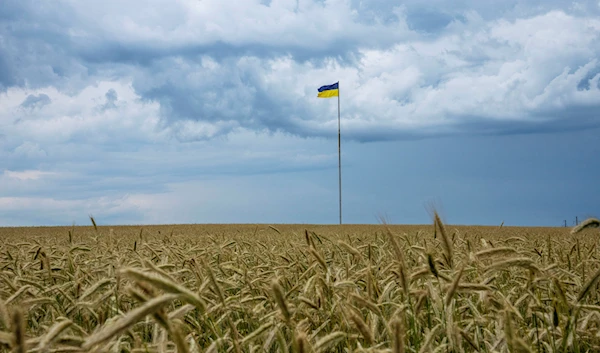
(329, 91)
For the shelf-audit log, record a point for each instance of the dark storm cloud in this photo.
(68, 47)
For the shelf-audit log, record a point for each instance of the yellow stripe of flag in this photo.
(329, 91)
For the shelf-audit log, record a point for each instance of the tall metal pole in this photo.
(339, 155)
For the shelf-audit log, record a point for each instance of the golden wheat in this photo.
(252, 288)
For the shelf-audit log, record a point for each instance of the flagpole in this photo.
(339, 155)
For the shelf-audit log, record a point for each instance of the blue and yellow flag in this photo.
(329, 91)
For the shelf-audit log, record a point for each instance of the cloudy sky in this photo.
(205, 111)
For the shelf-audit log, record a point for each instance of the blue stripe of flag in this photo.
(329, 87)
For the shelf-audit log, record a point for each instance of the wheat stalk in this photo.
(122, 324)
(164, 284)
(4, 316)
(588, 286)
(18, 327)
(588, 223)
(329, 340)
(454, 286)
(280, 299)
(362, 327)
(446, 243)
(54, 331)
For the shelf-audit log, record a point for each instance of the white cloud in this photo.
(27, 174)
(79, 117)
(307, 24)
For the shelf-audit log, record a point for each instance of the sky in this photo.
(206, 111)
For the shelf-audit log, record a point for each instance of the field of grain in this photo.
(299, 288)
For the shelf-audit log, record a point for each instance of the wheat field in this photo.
(299, 288)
